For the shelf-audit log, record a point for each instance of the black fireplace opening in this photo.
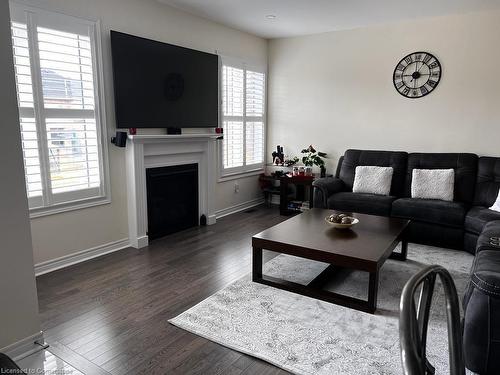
(172, 194)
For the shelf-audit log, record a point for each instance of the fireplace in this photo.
(150, 152)
(172, 199)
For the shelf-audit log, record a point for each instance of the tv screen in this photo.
(159, 85)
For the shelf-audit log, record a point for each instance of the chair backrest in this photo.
(395, 159)
(413, 322)
(464, 165)
(488, 181)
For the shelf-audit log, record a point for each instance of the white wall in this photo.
(335, 90)
(59, 235)
(18, 299)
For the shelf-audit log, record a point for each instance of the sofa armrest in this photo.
(324, 187)
(492, 229)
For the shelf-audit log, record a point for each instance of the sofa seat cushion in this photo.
(450, 214)
(478, 217)
(363, 203)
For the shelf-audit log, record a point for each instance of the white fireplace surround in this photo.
(151, 151)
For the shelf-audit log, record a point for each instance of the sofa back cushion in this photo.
(464, 165)
(395, 159)
(488, 181)
(433, 184)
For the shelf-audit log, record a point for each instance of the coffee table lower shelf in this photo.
(314, 288)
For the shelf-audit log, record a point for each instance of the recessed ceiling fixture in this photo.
(271, 17)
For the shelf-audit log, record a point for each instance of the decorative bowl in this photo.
(343, 226)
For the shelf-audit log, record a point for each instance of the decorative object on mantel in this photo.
(312, 157)
(417, 75)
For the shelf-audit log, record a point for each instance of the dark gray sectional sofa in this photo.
(464, 224)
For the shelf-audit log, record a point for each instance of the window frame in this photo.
(226, 174)
(50, 203)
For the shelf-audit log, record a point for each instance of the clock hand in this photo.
(411, 75)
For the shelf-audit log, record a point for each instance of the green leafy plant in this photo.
(291, 162)
(312, 157)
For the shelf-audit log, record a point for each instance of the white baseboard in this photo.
(239, 207)
(212, 219)
(139, 242)
(81, 256)
(24, 347)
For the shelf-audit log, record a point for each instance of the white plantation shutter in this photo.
(29, 137)
(232, 92)
(31, 158)
(243, 108)
(254, 142)
(255, 87)
(61, 127)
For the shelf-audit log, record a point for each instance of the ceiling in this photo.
(302, 17)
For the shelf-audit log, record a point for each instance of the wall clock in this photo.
(417, 74)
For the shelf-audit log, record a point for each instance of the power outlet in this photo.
(236, 187)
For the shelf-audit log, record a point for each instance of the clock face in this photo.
(417, 74)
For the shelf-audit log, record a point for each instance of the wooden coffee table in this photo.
(365, 247)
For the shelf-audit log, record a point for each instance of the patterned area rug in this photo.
(306, 336)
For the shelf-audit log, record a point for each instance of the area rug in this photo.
(306, 336)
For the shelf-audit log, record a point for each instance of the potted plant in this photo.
(312, 157)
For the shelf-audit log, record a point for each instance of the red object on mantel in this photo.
(132, 131)
(219, 130)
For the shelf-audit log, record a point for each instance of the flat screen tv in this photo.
(159, 85)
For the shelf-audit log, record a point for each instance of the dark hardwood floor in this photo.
(110, 314)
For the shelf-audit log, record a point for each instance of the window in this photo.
(62, 130)
(243, 114)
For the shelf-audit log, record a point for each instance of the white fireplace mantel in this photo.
(150, 151)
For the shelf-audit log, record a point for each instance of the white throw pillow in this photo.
(373, 180)
(496, 205)
(433, 184)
